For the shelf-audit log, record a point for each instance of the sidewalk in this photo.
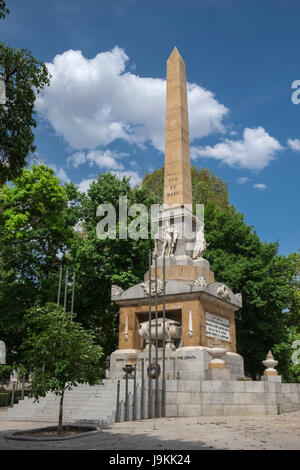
(245, 432)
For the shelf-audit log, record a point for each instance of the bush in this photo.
(5, 397)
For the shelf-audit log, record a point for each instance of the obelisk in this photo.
(177, 173)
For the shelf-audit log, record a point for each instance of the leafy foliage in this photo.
(37, 217)
(206, 187)
(3, 9)
(33, 230)
(239, 259)
(24, 77)
(61, 353)
(101, 263)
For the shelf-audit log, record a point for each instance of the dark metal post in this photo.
(143, 390)
(126, 417)
(118, 403)
(23, 387)
(134, 395)
(156, 346)
(164, 342)
(59, 285)
(150, 346)
(73, 292)
(13, 394)
(66, 288)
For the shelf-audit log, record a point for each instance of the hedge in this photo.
(5, 397)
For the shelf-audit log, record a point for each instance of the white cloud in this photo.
(102, 158)
(60, 173)
(92, 102)
(242, 180)
(260, 186)
(84, 185)
(77, 159)
(255, 151)
(294, 144)
(135, 179)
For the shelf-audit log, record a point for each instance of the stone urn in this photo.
(172, 332)
(217, 352)
(270, 363)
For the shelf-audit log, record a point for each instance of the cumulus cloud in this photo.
(294, 144)
(254, 151)
(260, 186)
(242, 180)
(60, 173)
(84, 185)
(92, 102)
(102, 158)
(135, 179)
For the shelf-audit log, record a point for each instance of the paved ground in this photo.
(263, 432)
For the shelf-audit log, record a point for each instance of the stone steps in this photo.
(82, 404)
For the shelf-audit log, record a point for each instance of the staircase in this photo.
(291, 402)
(84, 404)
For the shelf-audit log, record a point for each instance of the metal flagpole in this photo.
(143, 390)
(156, 346)
(164, 341)
(59, 285)
(73, 292)
(66, 288)
(150, 346)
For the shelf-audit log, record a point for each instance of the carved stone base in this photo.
(187, 363)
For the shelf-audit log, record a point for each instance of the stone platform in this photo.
(187, 363)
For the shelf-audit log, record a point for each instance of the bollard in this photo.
(134, 395)
(126, 417)
(143, 390)
(23, 387)
(13, 395)
(118, 403)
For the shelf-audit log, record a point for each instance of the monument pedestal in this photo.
(187, 364)
(197, 306)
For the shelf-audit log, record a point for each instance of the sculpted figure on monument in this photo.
(223, 293)
(116, 290)
(200, 244)
(160, 285)
(170, 235)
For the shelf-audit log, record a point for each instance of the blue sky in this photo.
(104, 109)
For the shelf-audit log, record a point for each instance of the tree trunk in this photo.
(60, 418)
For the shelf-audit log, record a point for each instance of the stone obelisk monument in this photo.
(199, 310)
(177, 174)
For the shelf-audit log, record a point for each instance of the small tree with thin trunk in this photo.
(61, 353)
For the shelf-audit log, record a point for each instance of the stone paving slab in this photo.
(244, 432)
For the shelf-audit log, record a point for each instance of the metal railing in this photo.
(153, 369)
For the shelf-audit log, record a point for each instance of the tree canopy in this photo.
(3, 9)
(44, 225)
(60, 352)
(34, 230)
(24, 77)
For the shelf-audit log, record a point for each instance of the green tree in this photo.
(3, 9)
(247, 265)
(206, 187)
(283, 351)
(24, 77)
(101, 263)
(61, 353)
(293, 315)
(254, 268)
(34, 229)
